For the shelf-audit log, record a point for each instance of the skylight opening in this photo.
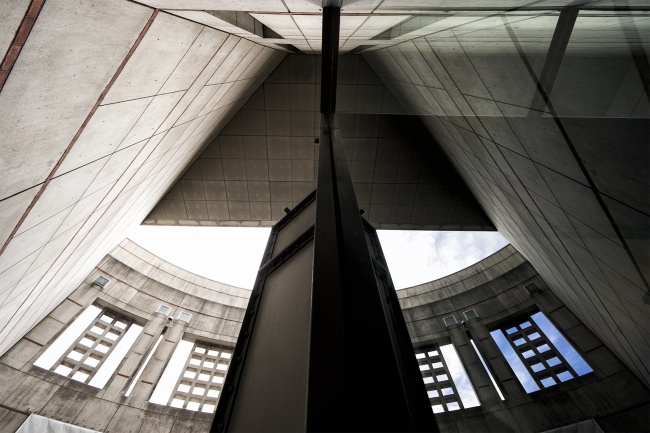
(232, 255)
(417, 257)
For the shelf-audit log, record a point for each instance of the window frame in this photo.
(436, 385)
(207, 385)
(88, 351)
(549, 371)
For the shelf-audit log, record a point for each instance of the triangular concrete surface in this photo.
(266, 158)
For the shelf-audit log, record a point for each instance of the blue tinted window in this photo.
(534, 366)
(527, 354)
(548, 381)
(553, 361)
(537, 367)
(566, 350)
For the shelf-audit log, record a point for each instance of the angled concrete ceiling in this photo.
(544, 113)
(103, 109)
(265, 159)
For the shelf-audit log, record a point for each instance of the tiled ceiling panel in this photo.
(266, 158)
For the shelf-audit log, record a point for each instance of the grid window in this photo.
(92, 347)
(445, 379)
(538, 353)
(194, 377)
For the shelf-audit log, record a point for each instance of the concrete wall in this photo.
(139, 283)
(265, 159)
(566, 182)
(494, 288)
(106, 106)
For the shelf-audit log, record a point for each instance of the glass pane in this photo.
(549, 381)
(563, 346)
(538, 367)
(515, 362)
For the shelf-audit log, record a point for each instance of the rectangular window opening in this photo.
(164, 309)
(194, 377)
(101, 281)
(450, 320)
(184, 316)
(537, 352)
(91, 347)
(446, 381)
(470, 314)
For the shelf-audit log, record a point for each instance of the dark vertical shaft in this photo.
(323, 346)
(330, 47)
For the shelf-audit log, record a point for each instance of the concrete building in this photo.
(139, 283)
(528, 117)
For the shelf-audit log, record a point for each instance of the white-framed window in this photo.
(445, 379)
(91, 347)
(194, 376)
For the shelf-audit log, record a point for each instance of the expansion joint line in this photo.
(86, 121)
(20, 37)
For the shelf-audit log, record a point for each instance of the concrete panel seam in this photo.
(166, 301)
(13, 409)
(19, 40)
(74, 139)
(83, 125)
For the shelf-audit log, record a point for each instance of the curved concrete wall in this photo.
(566, 181)
(494, 288)
(138, 283)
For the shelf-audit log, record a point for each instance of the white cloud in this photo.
(416, 257)
(232, 255)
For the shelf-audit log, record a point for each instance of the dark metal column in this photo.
(330, 56)
(324, 345)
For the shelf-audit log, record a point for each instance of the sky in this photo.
(232, 255)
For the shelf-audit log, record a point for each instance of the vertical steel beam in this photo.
(323, 346)
(330, 48)
(363, 375)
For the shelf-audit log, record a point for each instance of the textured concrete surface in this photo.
(265, 159)
(139, 282)
(567, 182)
(11, 14)
(147, 126)
(494, 288)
